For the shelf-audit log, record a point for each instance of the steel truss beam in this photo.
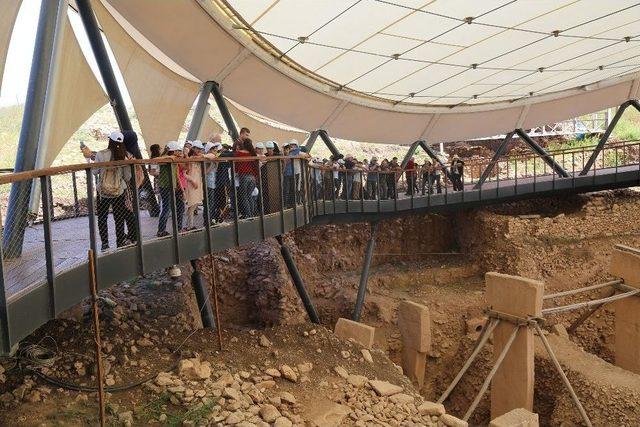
(364, 275)
(329, 143)
(297, 281)
(200, 111)
(542, 153)
(607, 134)
(313, 136)
(51, 19)
(99, 50)
(494, 160)
(409, 155)
(226, 114)
(434, 156)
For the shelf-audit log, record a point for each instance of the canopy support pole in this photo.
(35, 117)
(364, 275)
(434, 156)
(542, 153)
(224, 110)
(200, 111)
(90, 24)
(297, 281)
(329, 143)
(99, 50)
(607, 133)
(313, 136)
(409, 155)
(494, 160)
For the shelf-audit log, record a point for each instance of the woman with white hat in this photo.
(112, 186)
(193, 191)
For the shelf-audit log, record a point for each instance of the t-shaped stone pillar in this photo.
(626, 265)
(512, 385)
(415, 327)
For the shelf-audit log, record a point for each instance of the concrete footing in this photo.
(626, 265)
(512, 386)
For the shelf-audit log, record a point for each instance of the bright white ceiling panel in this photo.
(360, 36)
(515, 15)
(386, 75)
(581, 15)
(350, 66)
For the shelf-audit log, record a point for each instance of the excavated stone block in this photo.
(359, 332)
(415, 326)
(626, 265)
(414, 364)
(512, 385)
(514, 295)
(519, 417)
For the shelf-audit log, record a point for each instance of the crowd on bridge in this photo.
(246, 188)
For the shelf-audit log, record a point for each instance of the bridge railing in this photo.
(212, 205)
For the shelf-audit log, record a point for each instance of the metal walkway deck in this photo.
(28, 288)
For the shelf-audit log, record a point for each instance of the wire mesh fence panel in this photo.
(23, 242)
(69, 235)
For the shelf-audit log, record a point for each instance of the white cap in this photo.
(340, 161)
(173, 146)
(208, 146)
(293, 142)
(117, 136)
(197, 144)
(270, 144)
(286, 144)
(260, 145)
(187, 142)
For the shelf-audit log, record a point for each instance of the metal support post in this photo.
(224, 111)
(542, 153)
(104, 65)
(494, 160)
(52, 13)
(434, 156)
(200, 111)
(116, 101)
(607, 133)
(329, 143)
(313, 136)
(297, 281)
(410, 152)
(364, 275)
(202, 297)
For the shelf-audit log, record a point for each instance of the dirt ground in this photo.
(436, 260)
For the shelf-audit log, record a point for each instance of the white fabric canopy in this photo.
(209, 128)
(77, 95)
(8, 14)
(262, 131)
(161, 98)
(392, 71)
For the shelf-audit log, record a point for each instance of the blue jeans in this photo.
(165, 195)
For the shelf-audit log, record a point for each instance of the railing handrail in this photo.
(9, 178)
(57, 170)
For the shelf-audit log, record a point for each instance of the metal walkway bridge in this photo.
(46, 272)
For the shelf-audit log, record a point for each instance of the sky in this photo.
(18, 65)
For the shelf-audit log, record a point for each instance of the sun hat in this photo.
(116, 136)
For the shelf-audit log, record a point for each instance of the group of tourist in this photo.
(246, 188)
(349, 178)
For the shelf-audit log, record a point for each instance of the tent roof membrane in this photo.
(399, 70)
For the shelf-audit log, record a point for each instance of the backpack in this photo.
(110, 182)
